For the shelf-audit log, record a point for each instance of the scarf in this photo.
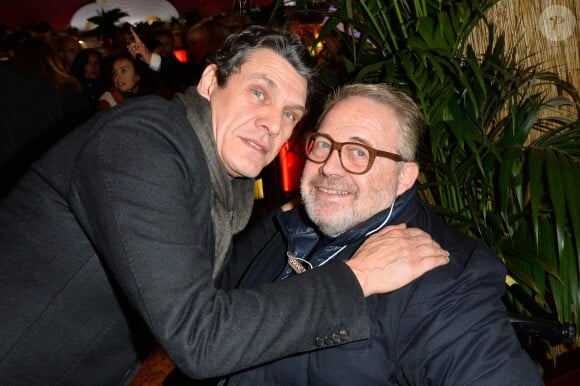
(308, 244)
(232, 198)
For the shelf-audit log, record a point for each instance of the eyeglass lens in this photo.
(355, 158)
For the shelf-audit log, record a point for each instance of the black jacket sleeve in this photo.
(247, 245)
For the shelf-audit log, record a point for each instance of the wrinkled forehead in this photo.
(363, 120)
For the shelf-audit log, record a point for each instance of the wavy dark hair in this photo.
(40, 57)
(77, 68)
(238, 47)
(147, 80)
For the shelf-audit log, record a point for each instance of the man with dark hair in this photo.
(448, 327)
(111, 241)
(68, 47)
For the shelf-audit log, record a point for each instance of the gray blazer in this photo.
(106, 247)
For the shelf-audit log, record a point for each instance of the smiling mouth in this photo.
(332, 191)
(255, 145)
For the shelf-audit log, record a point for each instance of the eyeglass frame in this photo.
(334, 145)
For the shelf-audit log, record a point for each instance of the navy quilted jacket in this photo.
(448, 327)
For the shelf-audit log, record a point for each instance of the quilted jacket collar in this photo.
(305, 242)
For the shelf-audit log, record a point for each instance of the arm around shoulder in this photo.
(142, 195)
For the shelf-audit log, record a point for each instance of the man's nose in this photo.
(333, 165)
(271, 121)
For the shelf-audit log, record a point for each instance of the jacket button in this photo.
(343, 334)
(336, 338)
(328, 340)
(319, 341)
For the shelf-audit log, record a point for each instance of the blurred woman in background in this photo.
(126, 77)
(38, 56)
(40, 103)
(86, 67)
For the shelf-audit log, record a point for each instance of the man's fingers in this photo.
(394, 257)
(400, 230)
(429, 248)
(428, 263)
(415, 238)
(135, 36)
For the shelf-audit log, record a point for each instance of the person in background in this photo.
(447, 327)
(68, 47)
(126, 80)
(111, 242)
(203, 39)
(30, 112)
(41, 30)
(174, 75)
(87, 68)
(12, 42)
(167, 41)
(235, 21)
(38, 56)
(29, 129)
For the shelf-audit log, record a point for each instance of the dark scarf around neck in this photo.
(232, 198)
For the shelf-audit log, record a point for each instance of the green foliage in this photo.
(481, 169)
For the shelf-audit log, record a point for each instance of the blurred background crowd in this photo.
(53, 80)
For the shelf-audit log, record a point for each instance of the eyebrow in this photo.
(369, 144)
(361, 140)
(274, 85)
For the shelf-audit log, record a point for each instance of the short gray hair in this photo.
(411, 120)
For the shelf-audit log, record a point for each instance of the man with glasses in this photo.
(448, 327)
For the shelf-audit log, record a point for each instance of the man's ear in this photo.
(407, 176)
(208, 81)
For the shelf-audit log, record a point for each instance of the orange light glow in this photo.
(292, 160)
(181, 55)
